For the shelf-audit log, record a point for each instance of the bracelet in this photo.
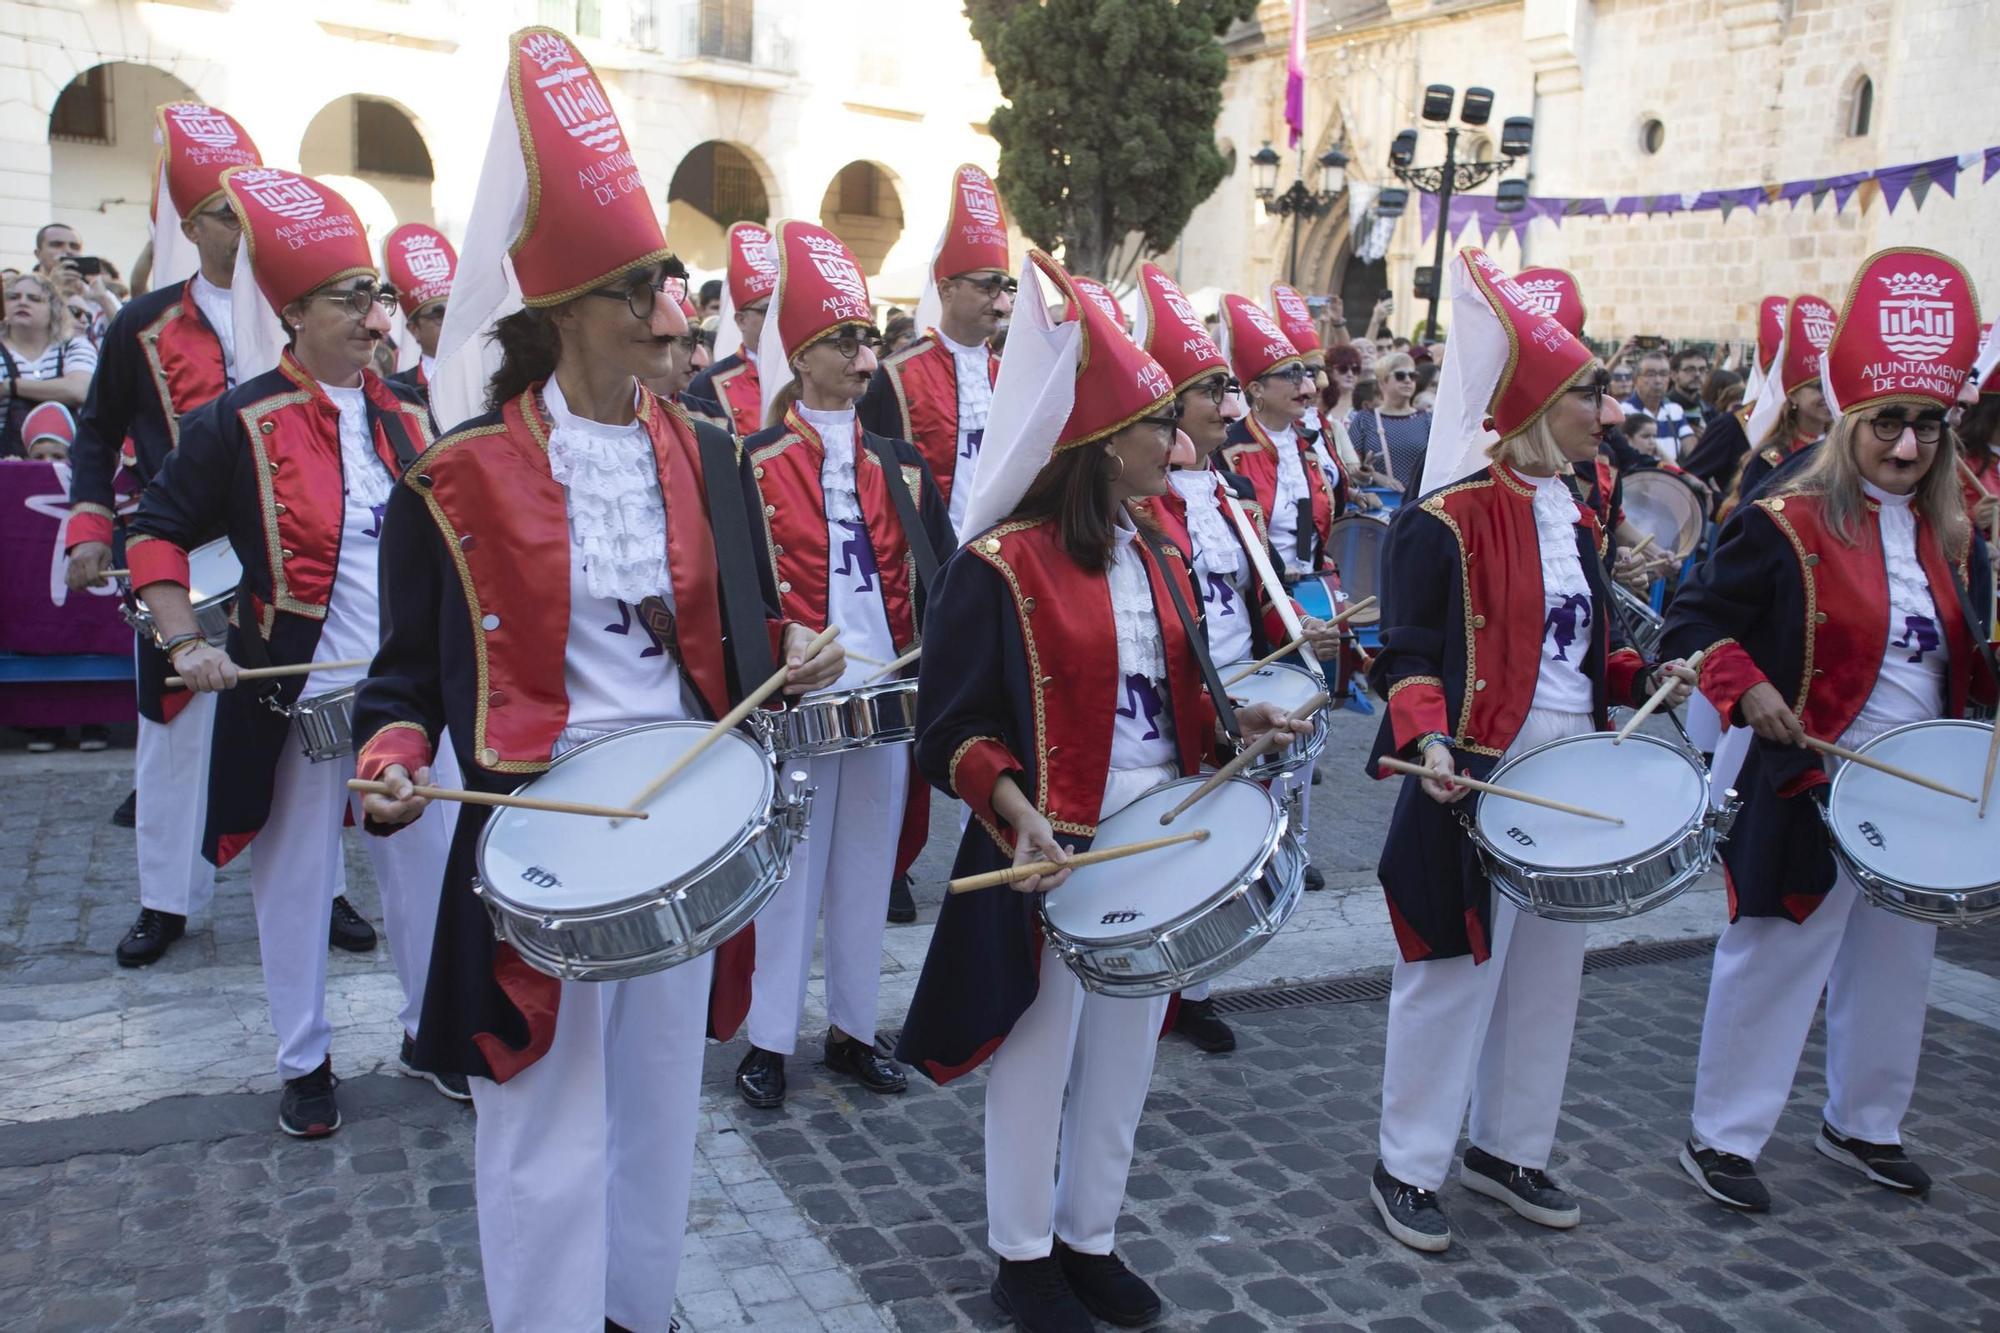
(1430, 738)
(180, 641)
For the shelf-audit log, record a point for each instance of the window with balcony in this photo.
(82, 112)
(725, 29)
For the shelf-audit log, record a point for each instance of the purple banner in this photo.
(39, 615)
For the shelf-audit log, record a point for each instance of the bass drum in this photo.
(1667, 508)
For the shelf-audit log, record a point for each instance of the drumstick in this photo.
(895, 666)
(495, 798)
(729, 720)
(1645, 540)
(1992, 758)
(265, 673)
(1659, 696)
(1856, 757)
(1015, 874)
(864, 659)
(116, 574)
(1274, 587)
(1249, 756)
(1510, 793)
(1299, 642)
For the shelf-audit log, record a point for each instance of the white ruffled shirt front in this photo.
(1221, 566)
(854, 583)
(617, 516)
(974, 370)
(1568, 608)
(1291, 488)
(1910, 684)
(1143, 730)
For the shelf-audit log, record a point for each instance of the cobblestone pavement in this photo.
(143, 1186)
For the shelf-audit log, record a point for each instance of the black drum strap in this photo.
(1171, 573)
(906, 514)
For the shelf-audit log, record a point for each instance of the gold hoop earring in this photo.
(1119, 459)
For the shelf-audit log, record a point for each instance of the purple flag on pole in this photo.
(1295, 76)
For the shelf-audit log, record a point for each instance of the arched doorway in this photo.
(377, 141)
(102, 159)
(715, 185)
(863, 208)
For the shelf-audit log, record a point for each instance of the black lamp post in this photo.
(1297, 202)
(1516, 135)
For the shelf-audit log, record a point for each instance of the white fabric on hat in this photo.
(1479, 347)
(174, 257)
(774, 368)
(1770, 399)
(930, 305)
(408, 350)
(483, 290)
(1031, 401)
(728, 338)
(1984, 363)
(259, 333)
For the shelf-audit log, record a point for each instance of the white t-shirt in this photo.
(220, 312)
(352, 628)
(975, 401)
(1142, 733)
(1221, 567)
(1568, 608)
(1910, 685)
(853, 584)
(1292, 487)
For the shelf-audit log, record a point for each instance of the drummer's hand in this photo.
(1437, 758)
(204, 667)
(1985, 512)
(804, 674)
(1034, 840)
(87, 564)
(404, 805)
(1253, 720)
(1367, 503)
(1764, 711)
(1323, 639)
(1685, 678)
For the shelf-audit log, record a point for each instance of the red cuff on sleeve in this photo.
(776, 629)
(1727, 674)
(405, 743)
(1416, 706)
(87, 523)
(1621, 670)
(977, 766)
(156, 560)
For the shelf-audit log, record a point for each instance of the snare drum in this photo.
(588, 900)
(835, 721)
(1160, 921)
(213, 573)
(1354, 545)
(325, 724)
(1643, 625)
(1916, 852)
(1666, 507)
(1569, 868)
(1288, 687)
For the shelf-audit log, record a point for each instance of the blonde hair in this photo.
(1393, 361)
(1785, 426)
(61, 327)
(1531, 450)
(1833, 474)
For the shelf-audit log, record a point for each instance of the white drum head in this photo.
(1153, 889)
(1665, 508)
(568, 863)
(1657, 789)
(213, 571)
(1279, 683)
(1910, 834)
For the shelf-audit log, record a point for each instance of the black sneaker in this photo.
(149, 937)
(761, 1079)
(1198, 1022)
(1527, 1191)
(864, 1064)
(1726, 1178)
(453, 1086)
(349, 930)
(1314, 880)
(94, 737)
(1412, 1215)
(1107, 1288)
(127, 813)
(1883, 1163)
(902, 907)
(308, 1109)
(1038, 1297)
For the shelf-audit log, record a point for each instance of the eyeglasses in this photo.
(993, 285)
(224, 217)
(640, 298)
(1167, 425)
(1402, 374)
(1889, 429)
(430, 314)
(1216, 388)
(358, 299)
(1292, 373)
(851, 338)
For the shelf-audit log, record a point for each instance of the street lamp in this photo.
(1297, 202)
(1516, 136)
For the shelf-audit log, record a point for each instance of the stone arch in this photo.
(376, 140)
(863, 206)
(102, 158)
(717, 183)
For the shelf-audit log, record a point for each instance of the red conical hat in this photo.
(1172, 333)
(1116, 382)
(1252, 340)
(420, 263)
(1808, 327)
(975, 233)
(300, 234)
(1908, 333)
(588, 219)
(1988, 361)
(1294, 316)
(49, 421)
(753, 264)
(1554, 292)
(1104, 298)
(1543, 357)
(1770, 330)
(676, 290)
(820, 286)
(197, 144)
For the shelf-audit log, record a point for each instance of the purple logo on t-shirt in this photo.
(1565, 623)
(1920, 634)
(379, 511)
(857, 557)
(624, 626)
(1221, 595)
(973, 439)
(1142, 701)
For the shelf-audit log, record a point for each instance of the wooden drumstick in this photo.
(116, 574)
(1645, 539)
(1992, 759)
(864, 660)
(465, 797)
(1659, 697)
(893, 667)
(1299, 642)
(729, 720)
(265, 673)
(1250, 755)
(1856, 757)
(1510, 793)
(1015, 874)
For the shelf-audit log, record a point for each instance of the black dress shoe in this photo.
(308, 1109)
(1107, 1288)
(127, 813)
(1412, 1215)
(1314, 880)
(1199, 1023)
(1037, 1296)
(902, 907)
(761, 1078)
(1883, 1163)
(149, 937)
(1726, 1178)
(864, 1064)
(453, 1086)
(1526, 1190)
(349, 929)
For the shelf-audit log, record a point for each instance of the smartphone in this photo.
(1647, 342)
(1318, 303)
(88, 266)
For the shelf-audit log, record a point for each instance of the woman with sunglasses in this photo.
(1484, 658)
(1392, 436)
(833, 523)
(1833, 608)
(1059, 682)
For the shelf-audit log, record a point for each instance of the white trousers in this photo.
(170, 773)
(584, 1158)
(1098, 1049)
(1496, 1035)
(295, 872)
(1874, 968)
(1282, 790)
(845, 865)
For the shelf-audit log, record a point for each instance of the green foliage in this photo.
(1110, 122)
